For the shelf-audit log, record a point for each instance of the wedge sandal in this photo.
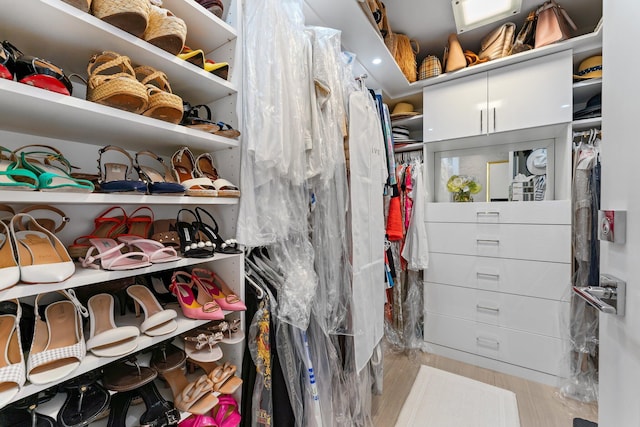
(113, 82)
(163, 104)
(131, 16)
(165, 30)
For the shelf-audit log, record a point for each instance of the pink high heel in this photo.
(192, 308)
(212, 286)
(198, 421)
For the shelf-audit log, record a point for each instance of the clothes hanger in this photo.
(258, 289)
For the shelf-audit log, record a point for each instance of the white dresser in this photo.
(496, 293)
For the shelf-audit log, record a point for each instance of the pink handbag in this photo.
(553, 24)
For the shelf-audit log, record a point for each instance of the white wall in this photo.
(620, 337)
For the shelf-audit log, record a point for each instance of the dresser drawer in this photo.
(544, 212)
(529, 242)
(532, 351)
(549, 280)
(529, 314)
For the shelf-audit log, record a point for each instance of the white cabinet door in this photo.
(531, 93)
(456, 109)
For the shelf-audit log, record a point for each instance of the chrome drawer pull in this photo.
(488, 341)
(494, 241)
(483, 307)
(496, 213)
(480, 275)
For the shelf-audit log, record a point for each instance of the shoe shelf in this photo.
(35, 111)
(88, 276)
(91, 362)
(53, 197)
(68, 37)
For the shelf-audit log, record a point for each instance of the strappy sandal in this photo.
(138, 224)
(9, 269)
(114, 177)
(41, 255)
(183, 163)
(58, 341)
(105, 338)
(110, 257)
(12, 370)
(42, 74)
(165, 232)
(23, 412)
(194, 243)
(167, 357)
(113, 82)
(53, 225)
(228, 246)
(224, 379)
(52, 169)
(157, 321)
(127, 375)
(157, 252)
(196, 397)
(205, 168)
(163, 181)
(225, 413)
(204, 346)
(191, 307)
(86, 401)
(163, 103)
(159, 412)
(225, 129)
(191, 118)
(104, 226)
(165, 30)
(13, 177)
(211, 286)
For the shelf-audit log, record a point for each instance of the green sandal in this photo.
(13, 177)
(52, 169)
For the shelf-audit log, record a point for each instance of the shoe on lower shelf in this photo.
(105, 338)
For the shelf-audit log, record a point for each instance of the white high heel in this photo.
(105, 338)
(58, 345)
(12, 370)
(41, 255)
(9, 270)
(157, 321)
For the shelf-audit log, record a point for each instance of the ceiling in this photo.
(431, 21)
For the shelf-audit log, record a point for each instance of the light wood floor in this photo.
(539, 405)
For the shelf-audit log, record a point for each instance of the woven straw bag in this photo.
(163, 104)
(404, 52)
(113, 82)
(131, 16)
(430, 67)
(165, 30)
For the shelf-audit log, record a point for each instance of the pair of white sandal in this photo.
(199, 176)
(142, 253)
(58, 347)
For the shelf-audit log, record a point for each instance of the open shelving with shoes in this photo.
(68, 37)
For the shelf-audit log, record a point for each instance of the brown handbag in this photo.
(498, 42)
(553, 24)
(524, 39)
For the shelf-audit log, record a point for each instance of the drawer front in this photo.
(532, 351)
(530, 242)
(535, 315)
(546, 212)
(549, 280)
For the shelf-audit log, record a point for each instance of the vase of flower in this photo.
(462, 187)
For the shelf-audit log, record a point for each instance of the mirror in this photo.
(494, 167)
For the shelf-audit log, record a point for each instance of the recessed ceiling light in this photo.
(470, 14)
(376, 61)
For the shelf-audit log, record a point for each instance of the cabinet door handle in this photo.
(484, 307)
(487, 213)
(494, 119)
(493, 241)
(480, 275)
(488, 341)
(480, 121)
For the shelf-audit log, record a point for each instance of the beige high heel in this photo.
(12, 370)
(157, 321)
(196, 397)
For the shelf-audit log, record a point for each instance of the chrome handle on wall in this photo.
(608, 297)
(484, 307)
(494, 119)
(480, 275)
(488, 341)
(487, 213)
(480, 121)
(494, 241)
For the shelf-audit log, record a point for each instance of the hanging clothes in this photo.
(416, 247)
(368, 177)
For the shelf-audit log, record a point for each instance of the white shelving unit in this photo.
(68, 37)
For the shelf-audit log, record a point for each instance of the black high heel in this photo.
(229, 246)
(120, 403)
(194, 241)
(86, 401)
(159, 413)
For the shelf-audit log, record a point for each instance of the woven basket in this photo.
(403, 51)
(165, 30)
(112, 82)
(131, 16)
(163, 104)
(83, 5)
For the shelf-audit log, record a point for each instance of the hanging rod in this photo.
(362, 77)
(586, 133)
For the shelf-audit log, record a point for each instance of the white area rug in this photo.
(441, 399)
